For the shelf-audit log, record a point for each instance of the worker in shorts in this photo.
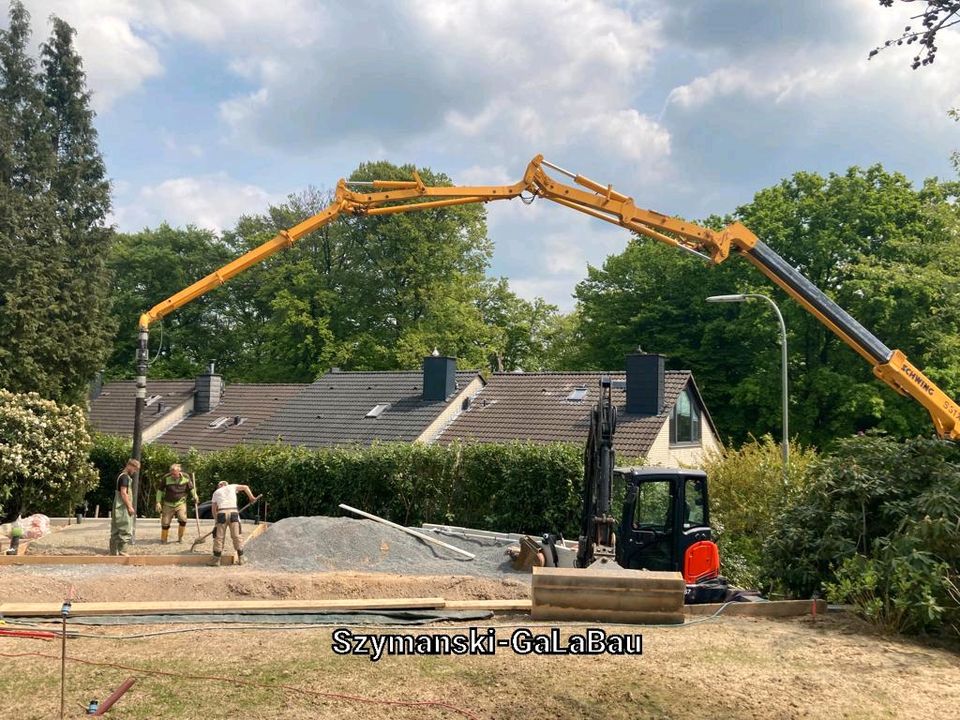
(224, 509)
(172, 501)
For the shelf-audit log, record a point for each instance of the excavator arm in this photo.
(603, 202)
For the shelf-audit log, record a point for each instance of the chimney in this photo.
(645, 383)
(209, 391)
(439, 377)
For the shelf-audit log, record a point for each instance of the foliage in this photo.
(151, 265)
(879, 523)
(900, 588)
(509, 487)
(43, 455)
(747, 494)
(936, 15)
(109, 454)
(885, 251)
(368, 293)
(54, 199)
(523, 331)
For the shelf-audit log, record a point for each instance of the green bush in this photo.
(520, 487)
(109, 454)
(43, 455)
(747, 493)
(877, 525)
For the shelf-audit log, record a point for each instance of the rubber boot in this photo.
(164, 534)
(180, 531)
(215, 561)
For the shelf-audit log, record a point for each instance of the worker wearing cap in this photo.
(224, 508)
(172, 501)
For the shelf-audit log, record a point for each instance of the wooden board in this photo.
(82, 609)
(493, 605)
(771, 609)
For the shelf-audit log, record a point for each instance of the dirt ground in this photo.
(835, 667)
(92, 537)
(725, 668)
(108, 583)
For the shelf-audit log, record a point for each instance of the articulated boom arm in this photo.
(603, 202)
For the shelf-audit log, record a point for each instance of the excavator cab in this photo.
(666, 526)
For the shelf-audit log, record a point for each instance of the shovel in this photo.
(203, 538)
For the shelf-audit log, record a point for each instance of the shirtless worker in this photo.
(172, 501)
(223, 507)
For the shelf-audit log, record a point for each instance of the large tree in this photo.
(150, 266)
(887, 252)
(53, 236)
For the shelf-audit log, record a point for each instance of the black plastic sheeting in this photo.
(364, 617)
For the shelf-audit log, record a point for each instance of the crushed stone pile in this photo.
(313, 544)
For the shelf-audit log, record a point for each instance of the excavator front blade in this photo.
(606, 592)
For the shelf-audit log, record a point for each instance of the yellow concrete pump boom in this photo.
(603, 202)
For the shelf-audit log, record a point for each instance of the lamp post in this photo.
(745, 297)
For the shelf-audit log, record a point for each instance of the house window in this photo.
(685, 420)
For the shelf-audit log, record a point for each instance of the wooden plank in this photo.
(82, 609)
(494, 605)
(770, 609)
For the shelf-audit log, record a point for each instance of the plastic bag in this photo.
(35, 526)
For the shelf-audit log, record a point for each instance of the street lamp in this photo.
(785, 445)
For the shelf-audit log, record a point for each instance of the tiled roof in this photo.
(112, 411)
(534, 407)
(253, 403)
(332, 411)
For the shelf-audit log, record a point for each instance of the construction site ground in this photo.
(834, 666)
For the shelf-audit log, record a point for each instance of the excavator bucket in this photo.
(606, 592)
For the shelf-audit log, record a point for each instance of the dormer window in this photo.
(685, 420)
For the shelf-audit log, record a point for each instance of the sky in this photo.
(211, 109)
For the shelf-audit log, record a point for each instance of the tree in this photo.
(935, 16)
(43, 455)
(523, 329)
(888, 253)
(364, 293)
(53, 235)
(150, 266)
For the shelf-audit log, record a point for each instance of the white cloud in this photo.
(214, 202)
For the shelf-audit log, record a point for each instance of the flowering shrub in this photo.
(44, 448)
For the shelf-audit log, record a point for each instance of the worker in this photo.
(172, 501)
(121, 519)
(223, 507)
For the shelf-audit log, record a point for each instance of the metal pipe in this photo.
(559, 169)
(143, 359)
(114, 696)
(64, 611)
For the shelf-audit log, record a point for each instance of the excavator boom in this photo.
(603, 202)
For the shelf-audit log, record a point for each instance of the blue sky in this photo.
(209, 110)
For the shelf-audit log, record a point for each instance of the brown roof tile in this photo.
(112, 411)
(534, 407)
(255, 404)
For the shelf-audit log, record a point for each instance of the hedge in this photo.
(514, 487)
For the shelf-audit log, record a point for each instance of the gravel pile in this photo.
(311, 544)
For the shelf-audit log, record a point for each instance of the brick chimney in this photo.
(645, 383)
(439, 377)
(209, 391)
